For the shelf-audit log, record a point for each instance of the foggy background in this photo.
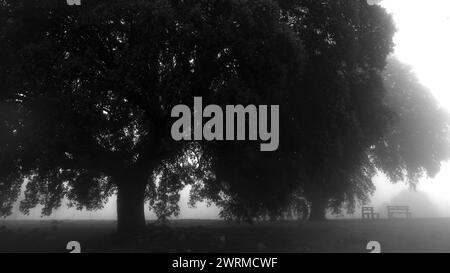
(422, 41)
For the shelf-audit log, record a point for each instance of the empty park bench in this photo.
(369, 213)
(399, 210)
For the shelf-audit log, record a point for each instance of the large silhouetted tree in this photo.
(350, 118)
(87, 91)
(330, 116)
(86, 94)
(347, 44)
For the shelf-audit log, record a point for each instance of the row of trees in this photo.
(86, 93)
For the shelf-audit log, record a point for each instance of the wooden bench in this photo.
(369, 213)
(399, 210)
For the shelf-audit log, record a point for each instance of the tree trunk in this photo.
(130, 207)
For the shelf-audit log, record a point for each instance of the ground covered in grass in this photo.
(395, 235)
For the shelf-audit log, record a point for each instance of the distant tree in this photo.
(421, 205)
(418, 140)
(414, 139)
(86, 94)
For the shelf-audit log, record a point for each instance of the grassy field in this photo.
(396, 235)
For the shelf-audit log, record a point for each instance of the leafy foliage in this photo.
(419, 139)
(86, 94)
(91, 89)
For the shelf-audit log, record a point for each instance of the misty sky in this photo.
(423, 41)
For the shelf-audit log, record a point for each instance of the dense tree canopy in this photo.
(86, 94)
(353, 113)
(87, 91)
(330, 116)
